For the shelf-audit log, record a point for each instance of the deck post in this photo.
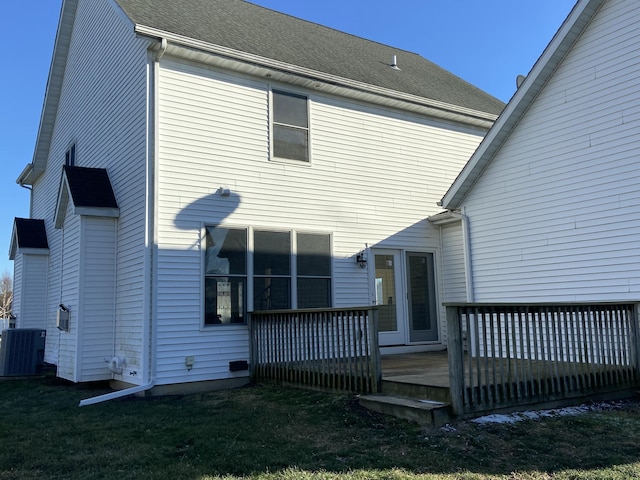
(635, 340)
(376, 369)
(456, 360)
(253, 347)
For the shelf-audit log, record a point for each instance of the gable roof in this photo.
(29, 235)
(578, 19)
(245, 27)
(90, 192)
(266, 42)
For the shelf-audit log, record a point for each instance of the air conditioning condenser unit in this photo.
(22, 351)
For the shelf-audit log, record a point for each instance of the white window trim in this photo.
(250, 270)
(290, 161)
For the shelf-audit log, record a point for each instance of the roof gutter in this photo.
(256, 65)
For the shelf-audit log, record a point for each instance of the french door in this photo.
(405, 294)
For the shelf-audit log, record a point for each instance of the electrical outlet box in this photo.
(62, 320)
(189, 361)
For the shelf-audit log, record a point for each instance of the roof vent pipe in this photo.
(394, 63)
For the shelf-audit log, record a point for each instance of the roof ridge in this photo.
(342, 32)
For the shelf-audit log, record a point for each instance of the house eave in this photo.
(32, 251)
(97, 212)
(444, 218)
(52, 92)
(274, 70)
(533, 84)
(27, 176)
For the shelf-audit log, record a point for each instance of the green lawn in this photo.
(270, 432)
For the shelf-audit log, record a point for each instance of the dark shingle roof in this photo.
(246, 27)
(90, 187)
(30, 233)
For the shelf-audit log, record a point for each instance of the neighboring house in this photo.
(548, 207)
(201, 159)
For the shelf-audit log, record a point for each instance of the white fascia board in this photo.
(33, 251)
(256, 65)
(54, 87)
(444, 218)
(97, 211)
(541, 72)
(62, 202)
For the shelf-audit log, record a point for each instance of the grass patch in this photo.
(267, 432)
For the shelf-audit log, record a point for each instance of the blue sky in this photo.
(487, 43)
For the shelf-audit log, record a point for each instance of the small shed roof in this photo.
(29, 234)
(90, 192)
(90, 187)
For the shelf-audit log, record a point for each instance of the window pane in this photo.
(290, 109)
(314, 293)
(224, 300)
(314, 255)
(226, 251)
(272, 253)
(271, 293)
(292, 143)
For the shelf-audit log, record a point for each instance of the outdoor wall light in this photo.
(361, 259)
(223, 191)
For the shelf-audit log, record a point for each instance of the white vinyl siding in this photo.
(555, 215)
(33, 292)
(375, 177)
(107, 119)
(68, 295)
(453, 272)
(18, 287)
(96, 316)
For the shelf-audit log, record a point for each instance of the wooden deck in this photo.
(425, 368)
(423, 375)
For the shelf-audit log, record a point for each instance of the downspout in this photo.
(466, 243)
(158, 50)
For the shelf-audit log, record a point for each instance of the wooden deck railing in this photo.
(509, 354)
(334, 349)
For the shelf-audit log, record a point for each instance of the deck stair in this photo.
(414, 387)
(424, 412)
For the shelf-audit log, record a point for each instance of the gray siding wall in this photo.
(103, 110)
(556, 215)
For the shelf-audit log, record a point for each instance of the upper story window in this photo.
(70, 156)
(290, 126)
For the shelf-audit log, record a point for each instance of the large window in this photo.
(314, 270)
(290, 126)
(225, 276)
(289, 270)
(271, 270)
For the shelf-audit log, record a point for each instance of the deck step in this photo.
(422, 411)
(413, 386)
